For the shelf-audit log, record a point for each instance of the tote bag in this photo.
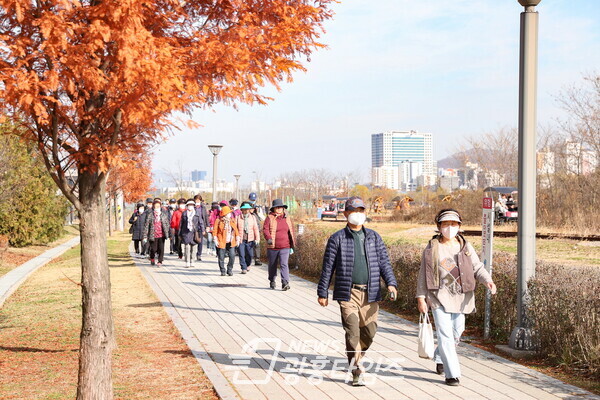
(426, 345)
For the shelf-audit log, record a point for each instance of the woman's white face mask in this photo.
(141, 210)
(357, 218)
(182, 206)
(449, 232)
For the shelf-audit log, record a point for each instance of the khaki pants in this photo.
(359, 319)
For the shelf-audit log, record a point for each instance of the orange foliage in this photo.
(134, 180)
(94, 82)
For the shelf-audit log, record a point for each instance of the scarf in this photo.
(435, 255)
(190, 220)
(228, 235)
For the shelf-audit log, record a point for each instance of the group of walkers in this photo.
(355, 260)
(229, 230)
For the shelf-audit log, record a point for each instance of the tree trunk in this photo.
(97, 333)
(116, 212)
(110, 227)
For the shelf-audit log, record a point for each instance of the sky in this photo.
(449, 67)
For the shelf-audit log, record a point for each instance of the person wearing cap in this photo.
(171, 210)
(191, 228)
(359, 259)
(137, 226)
(226, 237)
(249, 233)
(201, 211)
(450, 269)
(254, 212)
(175, 224)
(156, 230)
(281, 238)
(233, 203)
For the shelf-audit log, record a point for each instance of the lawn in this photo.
(15, 256)
(39, 336)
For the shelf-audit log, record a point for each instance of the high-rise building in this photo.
(396, 149)
(198, 176)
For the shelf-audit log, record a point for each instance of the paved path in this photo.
(257, 343)
(13, 279)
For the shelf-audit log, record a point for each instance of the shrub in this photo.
(31, 211)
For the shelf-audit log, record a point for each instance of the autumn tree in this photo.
(132, 180)
(93, 82)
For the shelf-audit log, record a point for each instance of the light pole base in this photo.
(521, 338)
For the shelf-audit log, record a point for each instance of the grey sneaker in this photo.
(272, 285)
(286, 286)
(358, 379)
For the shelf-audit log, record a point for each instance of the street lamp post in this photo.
(214, 149)
(520, 337)
(237, 186)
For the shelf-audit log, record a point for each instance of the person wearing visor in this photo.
(450, 269)
(359, 259)
(249, 234)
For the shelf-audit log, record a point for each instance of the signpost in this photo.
(487, 236)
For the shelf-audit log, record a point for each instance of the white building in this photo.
(392, 148)
(408, 172)
(385, 176)
(580, 161)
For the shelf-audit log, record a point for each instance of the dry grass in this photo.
(15, 256)
(562, 251)
(39, 336)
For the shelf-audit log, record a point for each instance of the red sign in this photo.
(487, 202)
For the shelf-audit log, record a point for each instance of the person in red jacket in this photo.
(175, 221)
(278, 230)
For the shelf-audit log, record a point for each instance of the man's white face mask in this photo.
(357, 218)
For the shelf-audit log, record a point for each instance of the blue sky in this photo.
(449, 67)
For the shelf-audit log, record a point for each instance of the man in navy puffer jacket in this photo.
(359, 260)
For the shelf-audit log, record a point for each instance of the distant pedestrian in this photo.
(450, 269)
(233, 203)
(226, 237)
(256, 250)
(156, 231)
(249, 233)
(358, 258)
(137, 227)
(191, 227)
(147, 210)
(175, 223)
(213, 214)
(203, 214)
(172, 209)
(281, 239)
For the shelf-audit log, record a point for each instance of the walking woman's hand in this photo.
(422, 305)
(491, 286)
(323, 301)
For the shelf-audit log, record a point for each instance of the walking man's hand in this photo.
(323, 302)
(393, 292)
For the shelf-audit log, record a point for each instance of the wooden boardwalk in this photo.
(257, 343)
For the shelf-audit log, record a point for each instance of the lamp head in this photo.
(215, 148)
(529, 3)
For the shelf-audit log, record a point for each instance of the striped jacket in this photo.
(339, 259)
